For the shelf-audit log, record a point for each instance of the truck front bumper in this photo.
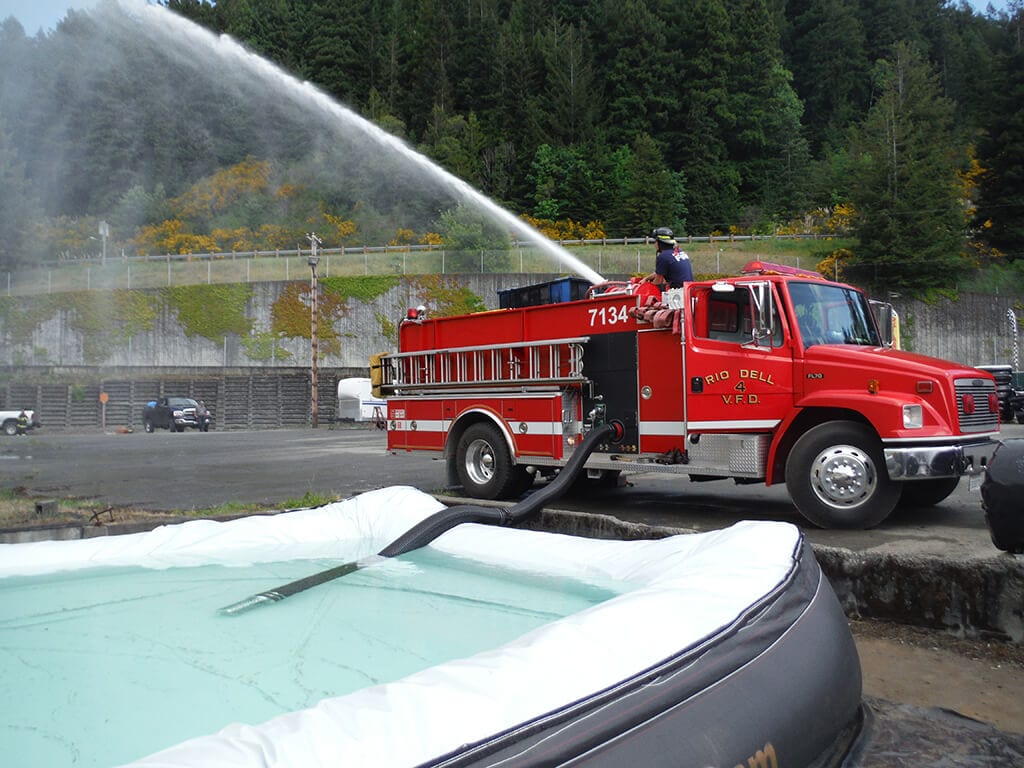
(924, 461)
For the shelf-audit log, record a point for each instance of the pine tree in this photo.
(765, 142)
(337, 55)
(1000, 209)
(562, 182)
(910, 222)
(638, 63)
(649, 194)
(570, 90)
(696, 134)
(16, 205)
(830, 70)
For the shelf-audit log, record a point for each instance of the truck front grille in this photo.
(982, 419)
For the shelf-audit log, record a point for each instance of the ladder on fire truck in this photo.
(520, 364)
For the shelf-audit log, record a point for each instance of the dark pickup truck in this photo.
(175, 414)
(1010, 390)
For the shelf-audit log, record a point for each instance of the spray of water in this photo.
(176, 34)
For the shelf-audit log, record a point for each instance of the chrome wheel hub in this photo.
(843, 476)
(480, 462)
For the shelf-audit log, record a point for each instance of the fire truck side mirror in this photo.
(763, 317)
(888, 322)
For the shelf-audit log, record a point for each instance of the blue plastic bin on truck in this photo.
(551, 292)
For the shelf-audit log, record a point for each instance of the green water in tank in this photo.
(104, 666)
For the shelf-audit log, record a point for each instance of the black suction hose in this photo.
(429, 529)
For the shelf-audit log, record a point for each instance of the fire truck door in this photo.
(739, 360)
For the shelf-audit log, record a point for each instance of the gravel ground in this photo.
(977, 679)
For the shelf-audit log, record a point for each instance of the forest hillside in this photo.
(893, 122)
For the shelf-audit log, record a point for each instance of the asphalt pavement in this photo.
(192, 470)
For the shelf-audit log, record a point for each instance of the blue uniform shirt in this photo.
(674, 266)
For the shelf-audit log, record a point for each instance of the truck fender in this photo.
(472, 416)
(808, 413)
(849, 405)
(878, 409)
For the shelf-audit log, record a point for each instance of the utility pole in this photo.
(314, 259)
(104, 232)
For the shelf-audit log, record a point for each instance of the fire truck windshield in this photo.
(831, 314)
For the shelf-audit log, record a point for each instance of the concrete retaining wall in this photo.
(361, 331)
(982, 599)
(977, 329)
(50, 373)
(974, 330)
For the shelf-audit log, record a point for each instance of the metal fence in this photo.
(261, 399)
(624, 256)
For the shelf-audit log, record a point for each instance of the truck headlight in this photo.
(913, 417)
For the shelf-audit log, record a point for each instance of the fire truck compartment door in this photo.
(660, 388)
(734, 383)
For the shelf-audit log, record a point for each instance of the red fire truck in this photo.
(774, 376)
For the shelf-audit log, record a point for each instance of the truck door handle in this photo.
(697, 384)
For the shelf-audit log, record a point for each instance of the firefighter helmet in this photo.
(664, 235)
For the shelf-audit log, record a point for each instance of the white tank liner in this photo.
(678, 591)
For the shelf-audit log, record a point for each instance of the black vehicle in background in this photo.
(1011, 399)
(175, 414)
(1017, 396)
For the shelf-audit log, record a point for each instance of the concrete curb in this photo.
(980, 598)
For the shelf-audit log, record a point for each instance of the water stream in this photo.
(223, 57)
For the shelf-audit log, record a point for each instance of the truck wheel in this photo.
(10, 427)
(147, 425)
(483, 463)
(927, 493)
(1000, 497)
(836, 477)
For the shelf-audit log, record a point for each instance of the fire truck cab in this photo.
(774, 376)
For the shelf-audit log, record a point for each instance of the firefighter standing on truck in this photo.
(671, 266)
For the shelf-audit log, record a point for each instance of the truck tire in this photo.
(11, 427)
(147, 425)
(836, 476)
(1001, 491)
(927, 493)
(484, 464)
